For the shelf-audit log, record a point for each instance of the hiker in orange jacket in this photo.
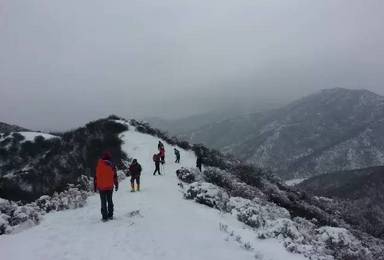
(105, 179)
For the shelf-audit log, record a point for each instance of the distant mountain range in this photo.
(185, 126)
(335, 129)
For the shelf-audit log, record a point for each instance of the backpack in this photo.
(139, 168)
(155, 158)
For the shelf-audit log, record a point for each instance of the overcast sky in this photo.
(63, 63)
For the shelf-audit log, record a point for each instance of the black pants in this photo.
(135, 177)
(106, 204)
(177, 159)
(157, 168)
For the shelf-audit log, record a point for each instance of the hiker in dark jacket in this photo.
(156, 159)
(105, 179)
(177, 154)
(199, 162)
(135, 172)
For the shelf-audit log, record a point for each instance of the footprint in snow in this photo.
(135, 213)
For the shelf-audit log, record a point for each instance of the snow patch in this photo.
(294, 182)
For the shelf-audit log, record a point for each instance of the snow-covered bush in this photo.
(230, 183)
(342, 243)
(121, 175)
(255, 213)
(218, 177)
(4, 224)
(15, 217)
(207, 194)
(187, 175)
(213, 158)
(269, 220)
(69, 199)
(84, 183)
(45, 204)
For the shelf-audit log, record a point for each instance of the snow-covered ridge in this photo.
(158, 223)
(155, 223)
(30, 136)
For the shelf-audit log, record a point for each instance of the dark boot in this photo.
(132, 187)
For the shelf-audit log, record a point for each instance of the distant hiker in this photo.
(156, 159)
(162, 155)
(105, 179)
(199, 161)
(177, 154)
(160, 145)
(135, 171)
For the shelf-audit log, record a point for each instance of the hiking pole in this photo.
(124, 164)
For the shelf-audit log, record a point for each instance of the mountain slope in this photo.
(155, 223)
(6, 128)
(355, 184)
(336, 129)
(357, 194)
(34, 164)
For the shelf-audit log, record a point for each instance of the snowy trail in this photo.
(166, 227)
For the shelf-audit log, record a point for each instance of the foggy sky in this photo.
(63, 63)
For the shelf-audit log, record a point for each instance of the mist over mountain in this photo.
(230, 108)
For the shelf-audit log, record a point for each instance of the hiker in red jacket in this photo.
(156, 159)
(135, 171)
(161, 149)
(162, 155)
(160, 145)
(105, 179)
